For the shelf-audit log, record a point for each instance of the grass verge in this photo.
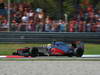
(8, 49)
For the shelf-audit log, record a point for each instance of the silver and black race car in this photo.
(57, 48)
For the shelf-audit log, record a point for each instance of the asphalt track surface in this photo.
(50, 66)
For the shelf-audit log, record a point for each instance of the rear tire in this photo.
(34, 52)
(79, 52)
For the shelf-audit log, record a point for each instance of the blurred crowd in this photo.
(87, 19)
(24, 18)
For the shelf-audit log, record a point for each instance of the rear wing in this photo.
(47, 37)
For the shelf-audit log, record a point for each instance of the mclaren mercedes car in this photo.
(57, 48)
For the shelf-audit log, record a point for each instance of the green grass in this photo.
(8, 49)
(92, 48)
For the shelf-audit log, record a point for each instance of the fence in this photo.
(45, 37)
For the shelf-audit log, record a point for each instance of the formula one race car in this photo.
(54, 49)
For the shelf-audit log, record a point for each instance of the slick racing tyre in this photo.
(79, 52)
(34, 52)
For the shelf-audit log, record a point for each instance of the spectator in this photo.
(62, 26)
(25, 18)
(88, 27)
(30, 26)
(98, 26)
(30, 13)
(13, 26)
(81, 26)
(71, 26)
(5, 25)
(48, 24)
(22, 26)
(55, 27)
(39, 27)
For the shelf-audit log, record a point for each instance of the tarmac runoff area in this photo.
(49, 67)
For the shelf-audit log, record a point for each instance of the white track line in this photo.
(84, 56)
(91, 56)
(3, 56)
